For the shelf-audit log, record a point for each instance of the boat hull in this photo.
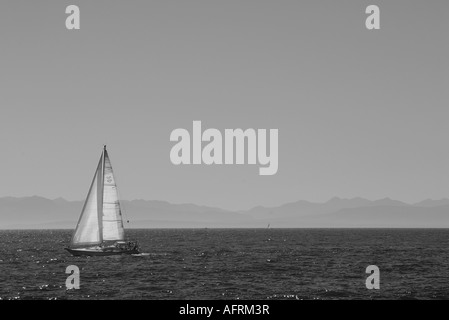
(94, 252)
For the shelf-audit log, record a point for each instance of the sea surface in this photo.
(232, 264)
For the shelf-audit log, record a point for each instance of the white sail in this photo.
(87, 231)
(112, 216)
(101, 217)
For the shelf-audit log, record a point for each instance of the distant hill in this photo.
(37, 212)
(41, 213)
(305, 208)
(433, 203)
(372, 217)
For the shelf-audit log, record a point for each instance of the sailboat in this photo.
(100, 230)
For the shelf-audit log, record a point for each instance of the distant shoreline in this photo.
(41, 213)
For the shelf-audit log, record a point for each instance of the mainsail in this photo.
(112, 216)
(101, 218)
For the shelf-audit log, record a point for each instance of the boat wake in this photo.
(142, 254)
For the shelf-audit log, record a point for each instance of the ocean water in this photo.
(233, 264)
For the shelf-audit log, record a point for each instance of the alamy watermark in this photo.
(373, 281)
(73, 280)
(219, 148)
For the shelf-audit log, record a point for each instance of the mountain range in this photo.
(40, 213)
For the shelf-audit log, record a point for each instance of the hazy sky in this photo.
(360, 113)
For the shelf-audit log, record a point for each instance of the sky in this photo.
(360, 113)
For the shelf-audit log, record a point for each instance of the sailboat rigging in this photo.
(100, 228)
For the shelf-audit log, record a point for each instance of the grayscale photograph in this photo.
(229, 150)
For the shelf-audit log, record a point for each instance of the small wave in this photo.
(142, 254)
